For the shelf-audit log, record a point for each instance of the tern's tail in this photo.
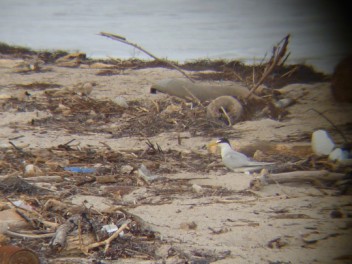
(257, 163)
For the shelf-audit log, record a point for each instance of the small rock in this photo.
(120, 101)
(126, 169)
(145, 174)
(336, 214)
(86, 89)
(110, 228)
(32, 170)
(197, 188)
(283, 103)
(62, 108)
(188, 225)
(277, 243)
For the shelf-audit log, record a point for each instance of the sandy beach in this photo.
(200, 211)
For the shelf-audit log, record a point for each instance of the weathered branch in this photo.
(109, 240)
(304, 176)
(28, 236)
(58, 241)
(278, 55)
(125, 41)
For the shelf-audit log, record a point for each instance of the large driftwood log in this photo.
(305, 176)
(298, 177)
(203, 92)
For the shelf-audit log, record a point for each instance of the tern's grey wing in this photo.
(235, 159)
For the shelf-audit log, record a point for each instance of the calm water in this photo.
(179, 29)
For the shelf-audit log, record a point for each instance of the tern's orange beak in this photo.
(213, 147)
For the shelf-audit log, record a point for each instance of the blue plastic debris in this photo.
(80, 169)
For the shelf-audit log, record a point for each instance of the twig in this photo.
(18, 137)
(226, 115)
(105, 145)
(80, 234)
(151, 146)
(51, 179)
(253, 74)
(251, 200)
(236, 201)
(19, 208)
(32, 236)
(125, 41)
(193, 96)
(69, 142)
(287, 74)
(238, 76)
(109, 240)
(156, 106)
(285, 59)
(331, 123)
(20, 150)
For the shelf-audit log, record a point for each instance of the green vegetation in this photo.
(15, 50)
(21, 51)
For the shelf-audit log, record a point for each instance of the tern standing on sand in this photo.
(235, 160)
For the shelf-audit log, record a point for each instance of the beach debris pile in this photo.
(70, 202)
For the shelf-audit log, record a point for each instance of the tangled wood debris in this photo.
(69, 202)
(67, 227)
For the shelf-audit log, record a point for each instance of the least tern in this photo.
(235, 160)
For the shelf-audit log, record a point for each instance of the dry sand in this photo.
(287, 223)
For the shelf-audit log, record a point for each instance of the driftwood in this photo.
(203, 92)
(296, 177)
(58, 241)
(125, 41)
(279, 56)
(109, 240)
(49, 179)
(304, 176)
(28, 236)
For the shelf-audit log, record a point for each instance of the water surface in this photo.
(179, 29)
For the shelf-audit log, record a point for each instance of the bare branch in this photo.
(125, 41)
(278, 55)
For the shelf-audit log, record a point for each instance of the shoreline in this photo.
(298, 73)
(60, 113)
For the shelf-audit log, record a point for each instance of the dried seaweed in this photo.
(14, 184)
